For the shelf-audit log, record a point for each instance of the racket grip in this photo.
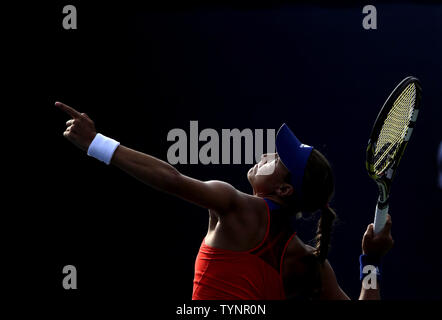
(380, 218)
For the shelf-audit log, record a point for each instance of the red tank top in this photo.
(255, 274)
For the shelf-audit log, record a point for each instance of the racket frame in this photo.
(385, 178)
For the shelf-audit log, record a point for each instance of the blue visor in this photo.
(293, 154)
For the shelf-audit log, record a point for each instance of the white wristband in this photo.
(102, 148)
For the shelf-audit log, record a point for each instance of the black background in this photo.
(140, 71)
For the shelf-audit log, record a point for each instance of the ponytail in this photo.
(323, 233)
(317, 190)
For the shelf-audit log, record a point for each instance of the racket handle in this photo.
(380, 218)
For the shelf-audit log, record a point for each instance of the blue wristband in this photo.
(365, 260)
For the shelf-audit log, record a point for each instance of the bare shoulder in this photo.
(244, 211)
(241, 201)
(242, 227)
(222, 186)
(253, 202)
(234, 198)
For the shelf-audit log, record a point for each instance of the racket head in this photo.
(392, 130)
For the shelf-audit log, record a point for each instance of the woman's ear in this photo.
(285, 190)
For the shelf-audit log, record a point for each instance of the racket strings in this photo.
(394, 128)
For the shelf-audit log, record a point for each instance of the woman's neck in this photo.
(271, 197)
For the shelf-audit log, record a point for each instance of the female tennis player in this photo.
(251, 250)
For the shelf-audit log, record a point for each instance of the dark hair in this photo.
(317, 191)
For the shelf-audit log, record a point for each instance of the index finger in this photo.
(369, 232)
(70, 111)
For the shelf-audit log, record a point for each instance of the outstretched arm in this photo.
(217, 195)
(158, 174)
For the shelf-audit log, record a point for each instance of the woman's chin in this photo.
(250, 176)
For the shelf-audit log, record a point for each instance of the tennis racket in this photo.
(389, 137)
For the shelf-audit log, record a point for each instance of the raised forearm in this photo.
(152, 171)
(374, 247)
